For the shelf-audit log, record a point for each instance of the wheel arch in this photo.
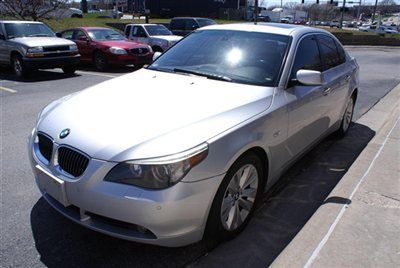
(14, 53)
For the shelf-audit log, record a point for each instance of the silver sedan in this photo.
(183, 150)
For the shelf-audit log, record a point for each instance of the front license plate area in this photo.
(52, 185)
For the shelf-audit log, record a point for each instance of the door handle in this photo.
(327, 91)
(348, 77)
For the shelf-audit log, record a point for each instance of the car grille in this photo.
(45, 146)
(72, 162)
(56, 48)
(139, 51)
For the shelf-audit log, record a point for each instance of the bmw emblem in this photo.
(64, 133)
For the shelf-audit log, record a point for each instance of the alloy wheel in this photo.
(18, 67)
(239, 197)
(348, 115)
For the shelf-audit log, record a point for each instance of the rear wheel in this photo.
(100, 61)
(18, 66)
(347, 117)
(236, 200)
(157, 49)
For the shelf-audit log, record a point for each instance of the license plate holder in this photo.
(52, 185)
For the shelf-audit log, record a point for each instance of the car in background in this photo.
(65, 13)
(30, 45)
(334, 24)
(389, 29)
(105, 47)
(186, 148)
(287, 20)
(155, 35)
(185, 25)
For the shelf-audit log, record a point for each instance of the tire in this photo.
(19, 67)
(347, 117)
(100, 61)
(157, 49)
(139, 66)
(69, 69)
(230, 199)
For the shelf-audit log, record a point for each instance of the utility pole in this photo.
(342, 14)
(373, 15)
(255, 11)
(358, 12)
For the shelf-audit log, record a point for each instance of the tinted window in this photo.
(342, 54)
(234, 56)
(128, 30)
(329, 52)
(307, 56)
(138, 31)
(78, 34)
(177, 24)
(191, 24)
(1, 28)
(67, 34)
(205, 22)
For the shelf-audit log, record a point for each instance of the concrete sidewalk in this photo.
(363, 228)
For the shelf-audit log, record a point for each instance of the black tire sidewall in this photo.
(69, 69)
(215, 232)
(23, 68)
(341, 132)
(100, 54)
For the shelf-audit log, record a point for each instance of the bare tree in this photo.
(84, 6)
(35, 9)
(387, 6)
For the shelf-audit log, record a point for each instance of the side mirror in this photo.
(58, 34)
(156, 55)
(83, 38)
(309, 77)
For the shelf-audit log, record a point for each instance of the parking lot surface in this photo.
(33, 234)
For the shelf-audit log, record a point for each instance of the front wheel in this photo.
(69, 69)
(347, 117)
(235, 200)
(100, 61)
(19, 67)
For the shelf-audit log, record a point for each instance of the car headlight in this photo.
(157, 173)
(118, 51)
(35, 50)
(73, 47)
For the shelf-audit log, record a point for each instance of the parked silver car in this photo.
(155, 35)
(29, 45)
(187, 152)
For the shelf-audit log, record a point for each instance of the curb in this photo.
(380, 119)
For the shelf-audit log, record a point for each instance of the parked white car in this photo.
(155, 35)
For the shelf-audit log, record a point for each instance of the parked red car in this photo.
(105, 47)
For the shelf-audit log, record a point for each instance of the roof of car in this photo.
(190, 18)
(265, 27)
(19, 21)
(144, 24)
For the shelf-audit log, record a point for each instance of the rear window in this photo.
(177, 24)
(329, 52)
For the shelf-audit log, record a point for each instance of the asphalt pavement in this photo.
(34, 235)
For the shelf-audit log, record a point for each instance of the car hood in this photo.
(42, 41)
(125, 44)
(149, 114)
(168, 37)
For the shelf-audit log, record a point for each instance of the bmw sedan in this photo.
(209, 126)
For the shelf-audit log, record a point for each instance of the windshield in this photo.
(205, 22)
(27, 30)
(234, 56)
(105, 35)
(157, 30)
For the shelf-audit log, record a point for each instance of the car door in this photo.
(139, 35)
(84, 44)
(307, 107)
(336, 73)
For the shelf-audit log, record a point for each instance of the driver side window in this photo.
(139, 32)
(307, 56)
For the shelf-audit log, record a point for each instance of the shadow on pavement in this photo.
(287, 207)
(35, 76)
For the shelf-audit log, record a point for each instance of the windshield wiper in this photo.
(39, 35)
(208, 75)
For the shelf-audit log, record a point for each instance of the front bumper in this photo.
(128, 59)
(51, 62)
(172, 217)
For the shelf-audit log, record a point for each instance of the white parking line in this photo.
(321, 244)
(98, 74)
(8, 89)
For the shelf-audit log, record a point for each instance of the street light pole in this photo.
(373, 15)
(342, 14)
